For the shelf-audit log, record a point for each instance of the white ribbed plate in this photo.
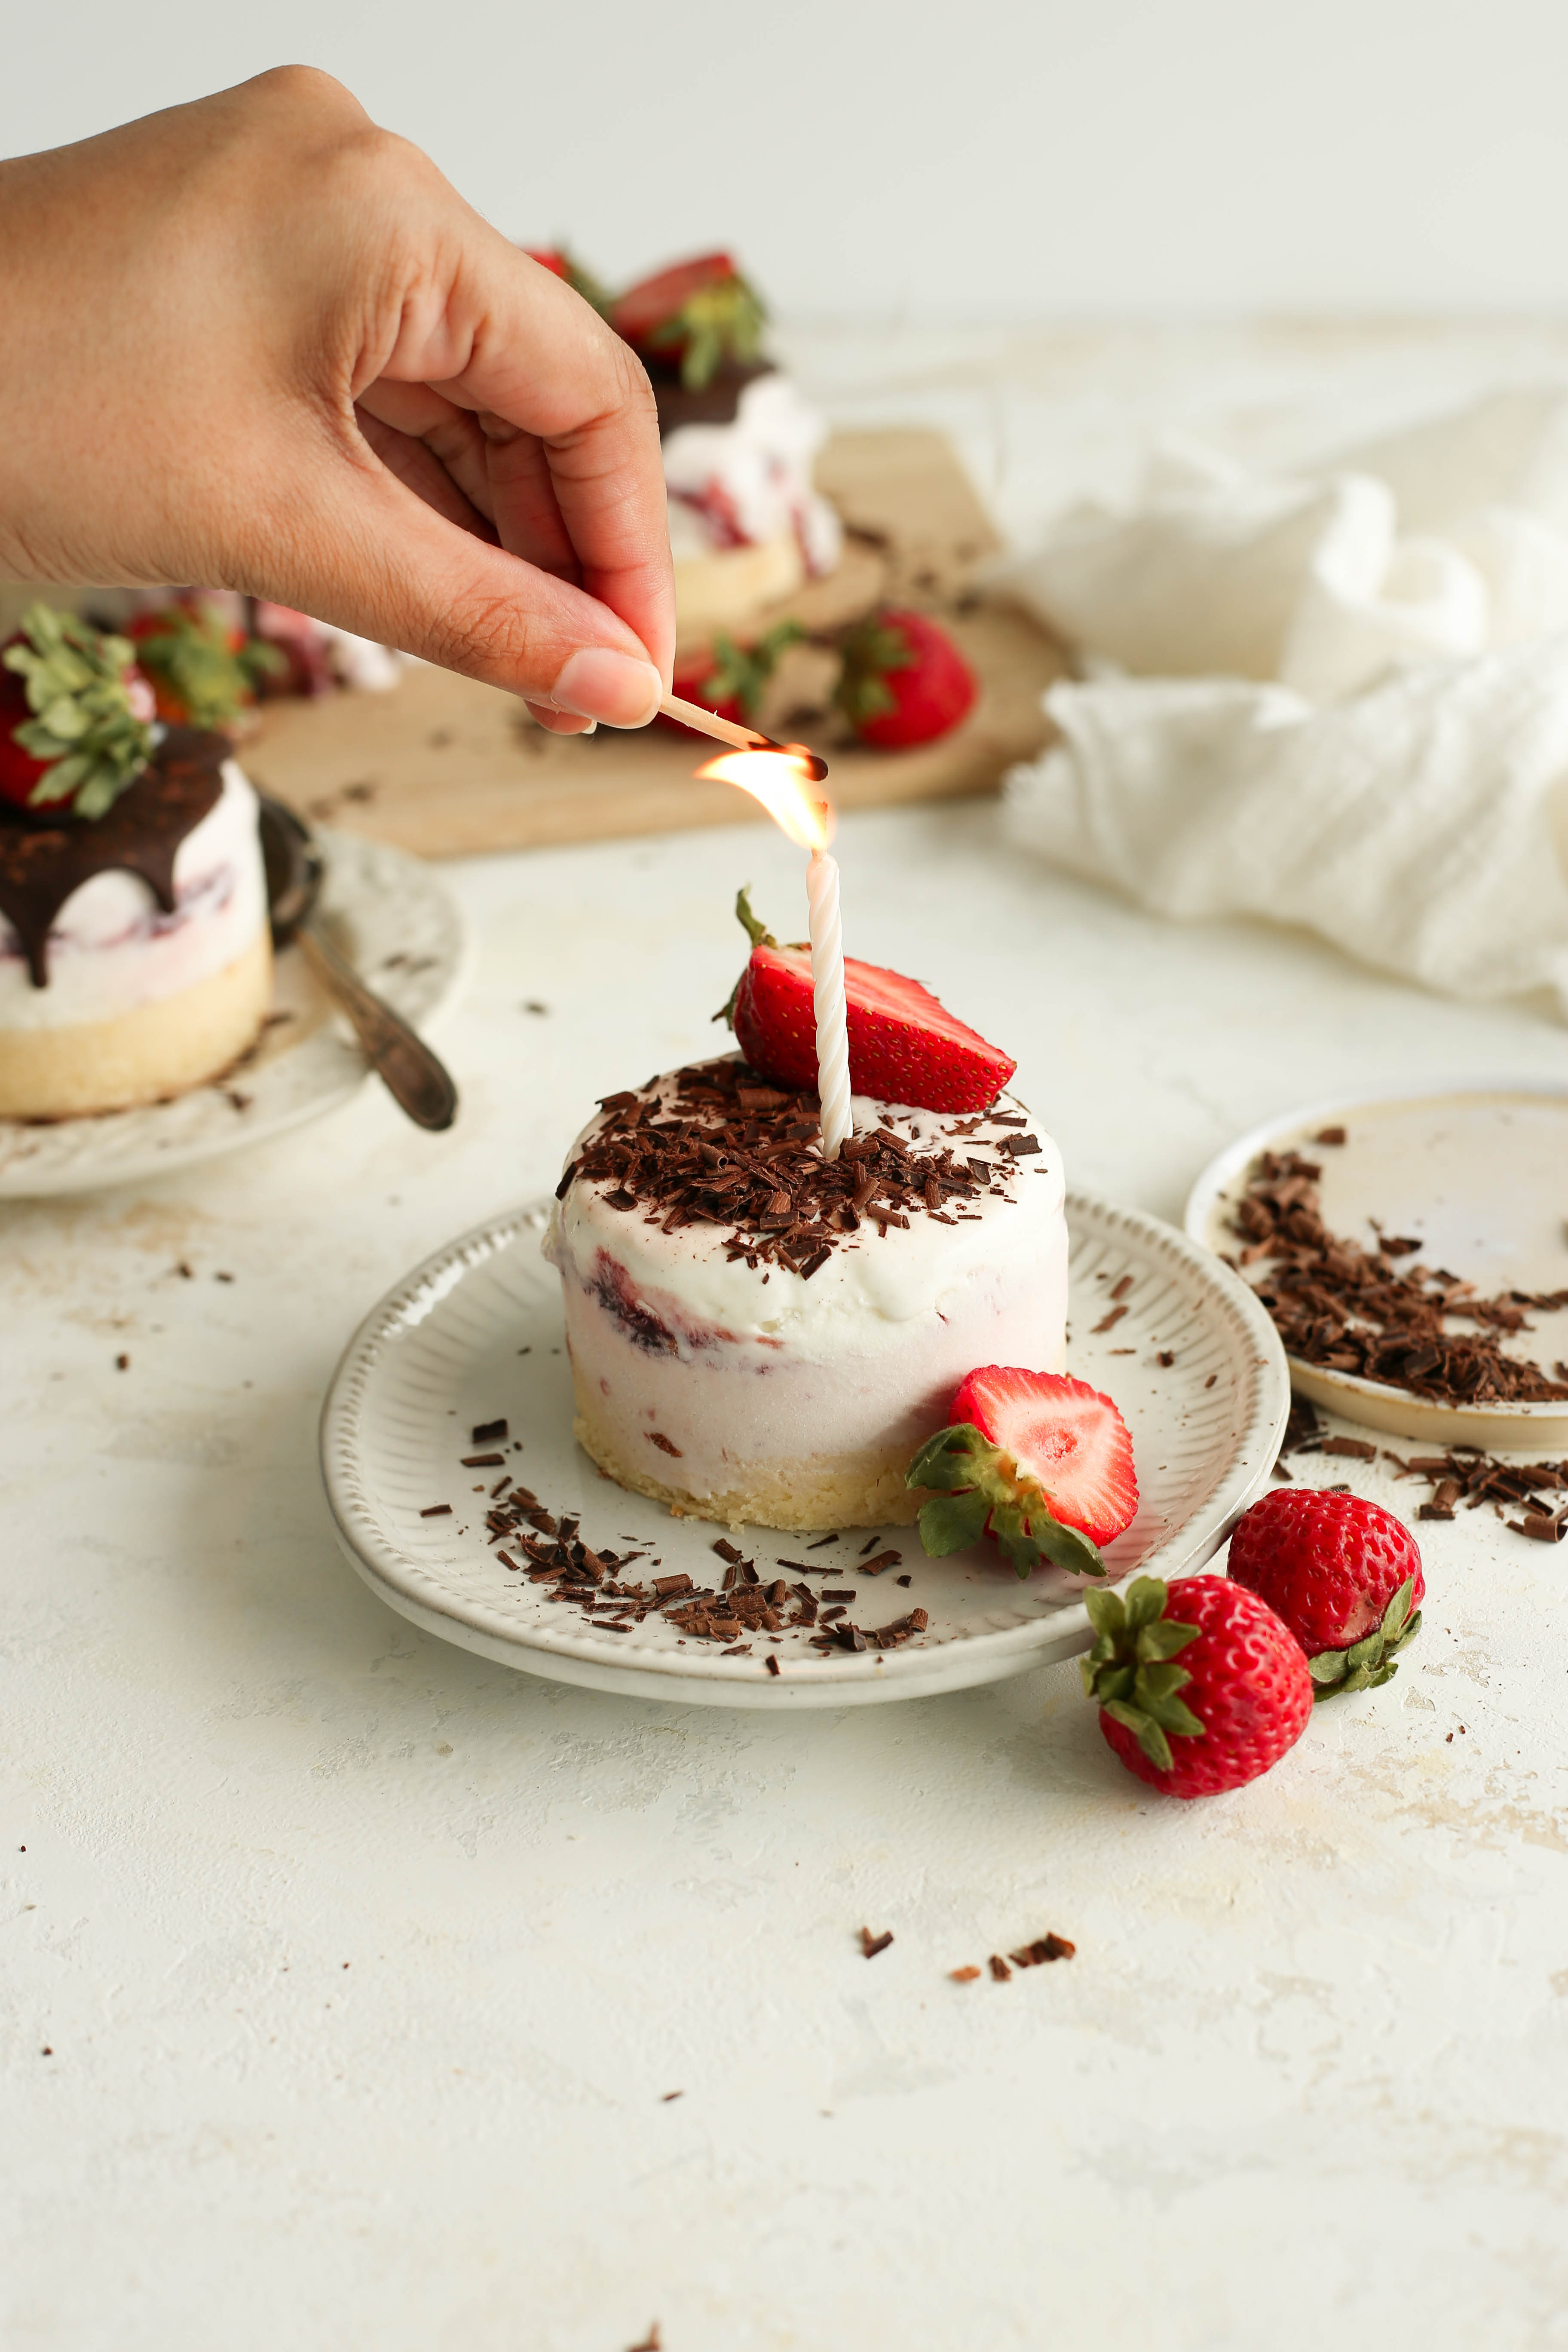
(1476, 1171)
(475, 1333)
(399, 927)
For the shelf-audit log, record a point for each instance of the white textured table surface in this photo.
(364, 1967)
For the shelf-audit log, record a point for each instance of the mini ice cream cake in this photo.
(135, 959)
(758, 1334)
(746, 526)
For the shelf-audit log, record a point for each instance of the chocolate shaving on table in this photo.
(871, 1945)
(1464, 1476)
(1338, 1305)
(720, 1148)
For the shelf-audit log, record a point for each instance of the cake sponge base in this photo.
(156, 1050)
(821, 1492)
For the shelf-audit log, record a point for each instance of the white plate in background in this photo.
(400, 928)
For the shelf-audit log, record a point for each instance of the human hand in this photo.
(259, 343)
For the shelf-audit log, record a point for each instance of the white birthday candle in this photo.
(828, 996)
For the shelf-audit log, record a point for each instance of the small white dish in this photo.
(401, 929)
(475, 1335)
(1476, 1172)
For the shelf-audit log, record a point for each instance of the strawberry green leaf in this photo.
(1148, 1736)
(1164, 1640)
(951, 1523)
(83, 725)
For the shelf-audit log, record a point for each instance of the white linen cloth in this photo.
(1338, 698)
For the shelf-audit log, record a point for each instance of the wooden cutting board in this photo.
(446, 767)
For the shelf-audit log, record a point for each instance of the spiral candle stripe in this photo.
(827, 998)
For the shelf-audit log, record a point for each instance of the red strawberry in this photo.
(74, 712)
(904, 1046)
(562, 264)
(19, 771)
(904, 681)
(1344, 1575)
(731, 679)
(1036, 1460)
(204, 670)
(1240, 1699)
(698, 314)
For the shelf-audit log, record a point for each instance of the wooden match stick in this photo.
(743, 739)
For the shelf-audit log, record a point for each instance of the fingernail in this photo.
(616, 687)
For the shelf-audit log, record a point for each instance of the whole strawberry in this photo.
(1344, 1575)
(1240, 1699)
(904, 681)
(904, 1046)
(731, 679)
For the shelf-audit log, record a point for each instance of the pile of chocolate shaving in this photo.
(742, 1606)
(1465, 1474)
(1336, 1303)
(727, 1149)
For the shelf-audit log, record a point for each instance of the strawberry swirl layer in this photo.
(734, 1364)
(747, 482)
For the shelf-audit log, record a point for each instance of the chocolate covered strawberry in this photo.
(1040, 1463)
(1343, 1574)
(696, 315)
(74, 712)
(903, 682)
(904, 1046)
(1240, 1699)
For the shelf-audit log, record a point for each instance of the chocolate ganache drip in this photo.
(718, 402)
(44, 857)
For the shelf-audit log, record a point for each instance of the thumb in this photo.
(362, 550)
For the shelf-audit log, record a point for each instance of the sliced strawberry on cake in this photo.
(904, 1046)
(1040, 1463)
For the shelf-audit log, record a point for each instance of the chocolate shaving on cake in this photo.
(1336, 1303)
(727, 1150)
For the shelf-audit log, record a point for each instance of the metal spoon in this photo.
(416, 1081)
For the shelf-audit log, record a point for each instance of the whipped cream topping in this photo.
(748, 482)
(112, 947)
(872, 1284)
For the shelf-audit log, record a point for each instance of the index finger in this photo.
(498, 334)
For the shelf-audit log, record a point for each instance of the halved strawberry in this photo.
(1035, 1459)
(904, 681)
(904, 1046)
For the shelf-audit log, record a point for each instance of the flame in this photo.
(783, 783)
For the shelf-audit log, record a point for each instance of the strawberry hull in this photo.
(904, 1046)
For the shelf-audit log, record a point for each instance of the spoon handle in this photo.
(417, 1082)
